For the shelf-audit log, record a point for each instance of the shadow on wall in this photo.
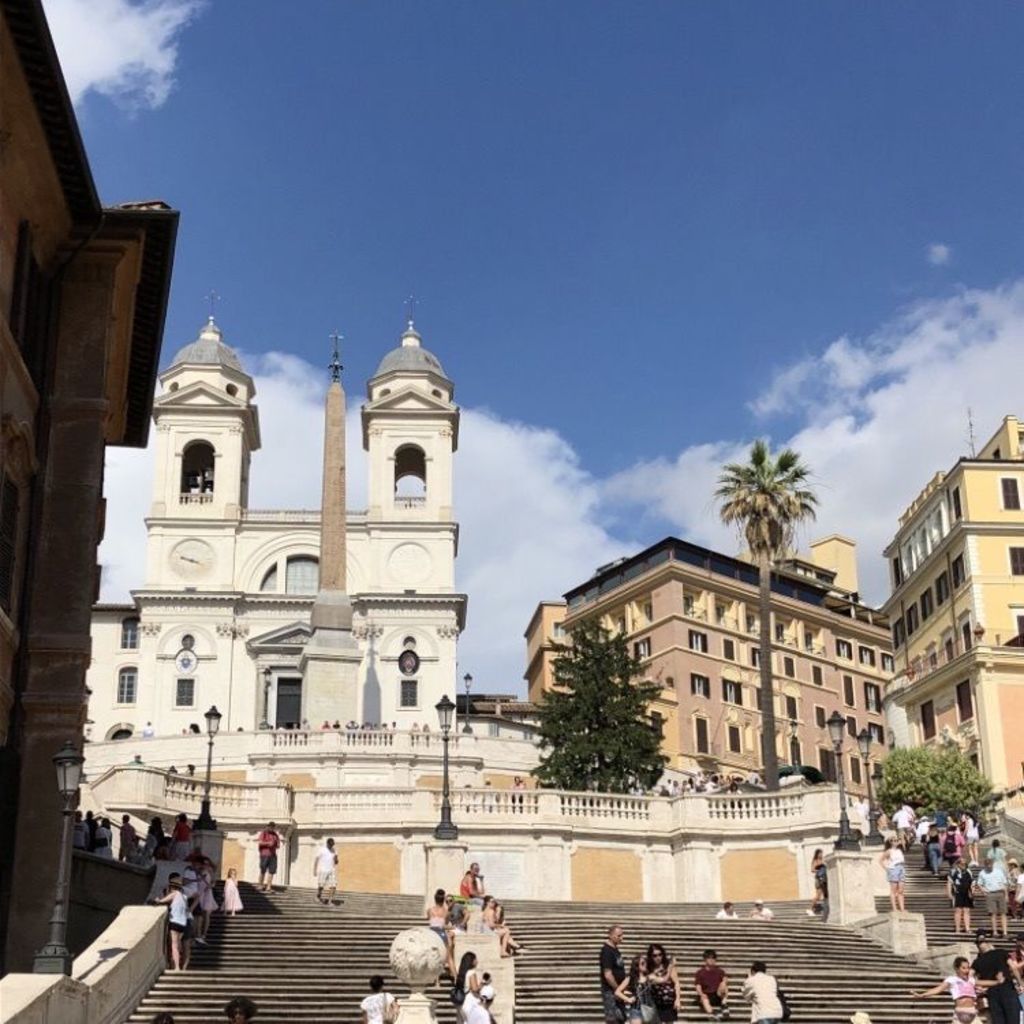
(371, 688)
(100, 889)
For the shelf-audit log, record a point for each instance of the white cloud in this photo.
(125, 50)
(876, 417)
(939, 254)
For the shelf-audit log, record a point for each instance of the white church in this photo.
(223, 616)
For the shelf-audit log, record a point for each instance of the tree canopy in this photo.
(931, 778)
(595, 733)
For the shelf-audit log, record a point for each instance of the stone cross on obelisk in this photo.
(330, 661)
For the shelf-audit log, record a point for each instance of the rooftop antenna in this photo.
(212, 298)
(335, 364)
(970, 432)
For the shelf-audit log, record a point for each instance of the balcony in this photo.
(418, 501)
(195, 498)
(693, 612)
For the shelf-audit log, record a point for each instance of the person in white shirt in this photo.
(727, 913)
(325, 868)
(761, 912)
(904, 820)
(893, 861)
(476, 1008)
(148, 732)
(762, 991)
(379, 1006)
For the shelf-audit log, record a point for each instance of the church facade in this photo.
(223, 614)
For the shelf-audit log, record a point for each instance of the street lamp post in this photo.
(874, 837)
(467, 682)
(836, 727)
(267, 676)
(205, 823)
(445, 828)
(55, 957)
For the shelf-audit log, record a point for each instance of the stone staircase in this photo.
(304, 963)
(926, 894)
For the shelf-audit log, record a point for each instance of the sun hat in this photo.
(860, 1017)
(487, 992)
(758, 903)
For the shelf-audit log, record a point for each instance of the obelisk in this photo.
(330, 661)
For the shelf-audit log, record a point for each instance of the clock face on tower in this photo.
(192, 559)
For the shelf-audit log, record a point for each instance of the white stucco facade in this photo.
(223, 611)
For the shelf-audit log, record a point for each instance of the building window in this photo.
(755, 657)
(780, 632)
(789, 667)
(928, 719)
(1017, 561)
(129, 634)
(877, 733)
(642, 648)
(127, 685)
(958, 512)
(855, 769)
(911, 618)
(888, 665)
(10, 503)
(827, 764)
(958, 571)
(941, 588)
(732, 692)
(897, 634)
(753, 626)
(848, 695)
(866, 655)
(728, 650)
(700, 686)
(816, 675)
(185, 693)
(698, 641)
(791, 709)
(965, 632)
(844, 649)
(269, 584)
(701, 729)
(964, 701)
(735, 740)
(409, 694)
(926, 605)
(649, 612)
(410, 475)
(1011, 494)
(302, 575)
(197, 463)
(851, 726)
(897, 572)
(872, 697)
(819, 716)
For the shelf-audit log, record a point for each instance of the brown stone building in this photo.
(83, 293)
(691, 615)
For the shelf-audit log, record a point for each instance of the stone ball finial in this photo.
(417, 957)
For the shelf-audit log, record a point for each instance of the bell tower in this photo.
(207, 428)
(411, 432)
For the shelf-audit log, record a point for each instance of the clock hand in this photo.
(185, 558)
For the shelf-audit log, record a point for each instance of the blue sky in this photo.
(640, 234)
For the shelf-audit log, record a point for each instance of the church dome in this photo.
(410, 357)
(209, 348)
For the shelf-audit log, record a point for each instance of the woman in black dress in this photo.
(958, 886)
(664, 982)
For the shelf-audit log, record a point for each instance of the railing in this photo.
(411, 502)
(487, 801)
(346, 802)
(604, 805)
(755, 808)
(287, 515)
(195, 499)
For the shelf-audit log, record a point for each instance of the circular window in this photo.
(188, 641)
(408, 663)
(173, 387)
(409, 643)
(232, 390)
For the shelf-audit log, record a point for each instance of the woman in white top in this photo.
(895, 872)
(379, 1006)
(104, 839)
(177, 906)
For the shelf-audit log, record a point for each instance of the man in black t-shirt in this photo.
(995, 979)
(613, 973)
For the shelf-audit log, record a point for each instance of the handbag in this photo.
(648, 1011)
(787, 1010)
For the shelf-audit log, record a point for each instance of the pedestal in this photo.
(211, 843)
(903, 933)
(330, 672)
(446, 864)
(416, 1008)
(851, 885)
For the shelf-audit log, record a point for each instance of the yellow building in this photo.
(691, 616)
(957, 610)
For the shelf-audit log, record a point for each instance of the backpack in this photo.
(787, 1010)
(949, 846)
(981, 830)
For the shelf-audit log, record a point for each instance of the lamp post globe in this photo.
(55, 957)
(445, 828)
(205, 821)
(467, 682)
(846, 839)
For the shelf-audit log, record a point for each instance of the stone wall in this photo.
(100, 888)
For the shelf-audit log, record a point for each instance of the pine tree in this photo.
(594, 729)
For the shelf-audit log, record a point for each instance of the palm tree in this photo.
(766, 499)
